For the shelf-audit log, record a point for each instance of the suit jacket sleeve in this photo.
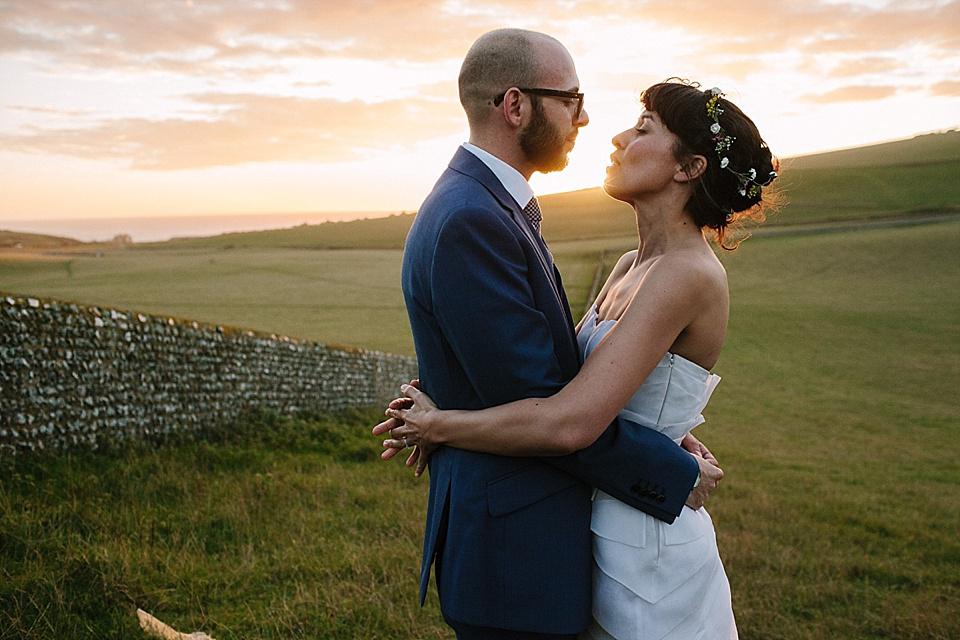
(490, 313)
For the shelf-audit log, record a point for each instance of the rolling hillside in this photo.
(906, 177)
(911, 177)
(35, 241)
(924, 149)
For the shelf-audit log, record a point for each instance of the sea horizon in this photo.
(160, 229)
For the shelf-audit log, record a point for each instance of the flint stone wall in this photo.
(74, 376)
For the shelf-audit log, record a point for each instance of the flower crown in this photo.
(749, 186)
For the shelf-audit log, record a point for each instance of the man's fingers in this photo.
(421, 466)
(411, 392)
(414, 456)
(710, 476)
(400, 403)
(398, 415)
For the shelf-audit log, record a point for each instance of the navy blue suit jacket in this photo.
(491, 324)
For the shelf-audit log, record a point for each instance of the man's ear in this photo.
(692, 169)
(512, 106)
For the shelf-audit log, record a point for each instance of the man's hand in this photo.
(710, 476)
(697, 448)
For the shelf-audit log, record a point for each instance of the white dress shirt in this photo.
(511, 179)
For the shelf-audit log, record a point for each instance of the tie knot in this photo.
(532, 211)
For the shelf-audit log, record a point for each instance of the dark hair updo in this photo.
(722, 195)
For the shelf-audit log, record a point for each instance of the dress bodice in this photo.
(671, 398)
(652, 579)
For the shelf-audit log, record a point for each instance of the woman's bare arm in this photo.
(671, 294)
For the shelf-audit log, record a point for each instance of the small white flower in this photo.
(773, 174)
(716, 91)
(743, 192)
(715, 127)
(724, 162)
(753, 174)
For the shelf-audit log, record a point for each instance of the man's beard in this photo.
(542, 144)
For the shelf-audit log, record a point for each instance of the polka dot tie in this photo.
(532, 211)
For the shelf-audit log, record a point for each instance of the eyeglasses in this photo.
(550, 93)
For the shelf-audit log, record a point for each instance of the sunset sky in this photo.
(160, 107)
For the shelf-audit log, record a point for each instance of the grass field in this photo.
(835, 422)
(337, 283)
(274, 527)
(347, 297)
(839, 516)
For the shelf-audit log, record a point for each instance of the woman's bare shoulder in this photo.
(687, 274)
(625, 261)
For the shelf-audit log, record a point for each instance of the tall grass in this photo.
(272, 527)
(839, 514)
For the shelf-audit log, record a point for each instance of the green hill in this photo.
(369, 233)
(35, 241)
(930, 148)
(905, 177)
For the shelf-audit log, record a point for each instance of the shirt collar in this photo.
(511, 179)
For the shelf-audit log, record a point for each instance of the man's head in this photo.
(519, 90)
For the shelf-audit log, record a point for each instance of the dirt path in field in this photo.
(858, 225)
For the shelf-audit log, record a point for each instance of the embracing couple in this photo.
(561, 461)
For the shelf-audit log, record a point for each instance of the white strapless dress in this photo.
(651, 580)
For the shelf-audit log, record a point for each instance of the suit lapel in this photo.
(469, 164)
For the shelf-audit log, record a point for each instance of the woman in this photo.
(694, 161)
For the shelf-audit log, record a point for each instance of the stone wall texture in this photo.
(74, 376)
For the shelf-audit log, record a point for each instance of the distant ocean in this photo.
(158, 229)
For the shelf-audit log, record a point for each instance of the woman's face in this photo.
(643, 161)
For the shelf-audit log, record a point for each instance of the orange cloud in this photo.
(766, 26)
(864, 66)
(946, 88)
(260, 44)
(195, 37)
(251, 128)
(851, 94)
(50, 110)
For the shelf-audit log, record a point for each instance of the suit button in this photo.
(644, 493)
(635, 488)
(661, 498)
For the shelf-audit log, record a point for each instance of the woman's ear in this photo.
(693, 169)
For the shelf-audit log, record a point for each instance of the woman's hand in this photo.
(408, 424)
